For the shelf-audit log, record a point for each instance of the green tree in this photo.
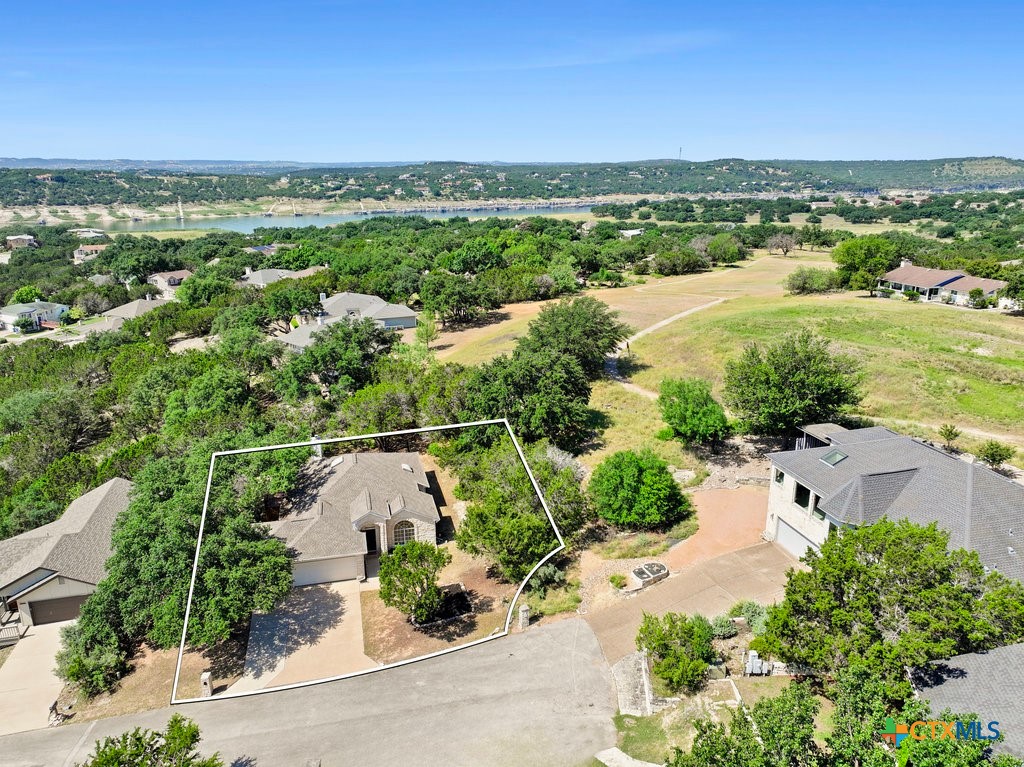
(949, 434)
(724, 249)
(176, 746)
(995, 454)
(892, 595)
(408, 579)
(636, 491)
(794, 381)
(426, 328)
(863, 280)
(680, 648)
(26, 295)
(691, 412)
(581, 327)
(873, 254)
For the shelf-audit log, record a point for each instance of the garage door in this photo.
(792, 540)
(53, 610)
(326, 571)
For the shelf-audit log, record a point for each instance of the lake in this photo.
(248, 224)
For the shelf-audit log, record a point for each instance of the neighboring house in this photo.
(629, 234)
(851, 477)
(46, 573)
(263, 277)
(85, 253)
(947, 285)
(169, 282)
(101, 279)
(16, 241)
(366, 503)
(352, 306)
(989, 684)
(134, 309)
(41, 313)
(87, 234)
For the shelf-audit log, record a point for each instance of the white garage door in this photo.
(326, 571)
(792, 540)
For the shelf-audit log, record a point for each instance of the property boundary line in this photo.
(175, 700)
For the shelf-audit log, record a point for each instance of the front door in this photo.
(371, 540)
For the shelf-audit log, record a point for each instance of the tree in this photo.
(636, 491)
(781, 242)
(691, 412)
(174, 747)
(26, 295)
(864, 280)
(949, 434)
(891, 595)
(723, 249)
(794, 381)
(408, 579)
(995, 454)
(542, 392)
(201, 289)
(1014, 289)
(426, 328)
(680, 648)
(977, 298)
(809, 279)
(872, 254)
(581, 327)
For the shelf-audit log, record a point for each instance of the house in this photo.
(87, 234)
(134, 309)
(629, 234)
(40, 312)
(967, 684)
(46, 573)
(840, 478)
(263, 277)
(366, 503)
(350, 306)
(16, 241)
(101, 279)
(169, 282)
(947, 285)
(85, 253)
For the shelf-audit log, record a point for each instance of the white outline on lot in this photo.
(313, 443)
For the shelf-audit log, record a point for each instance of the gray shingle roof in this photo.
(900, 478)
(355, 488)
(134, 309)
(342, 304)
(76, 545)
(989, 684)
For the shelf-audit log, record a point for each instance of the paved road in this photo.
(28, 686)
(709, 588)
(543, 697)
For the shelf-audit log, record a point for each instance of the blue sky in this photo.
(601, 81)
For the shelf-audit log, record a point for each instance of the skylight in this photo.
(832, 457)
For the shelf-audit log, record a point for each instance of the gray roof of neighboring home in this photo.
(134, 309)
(354, 488)
(922, 277)
(31, 307)
(989, 684)
(76, 545)
(884, 474)
(342, 304)
(267, 276)
(101, 279)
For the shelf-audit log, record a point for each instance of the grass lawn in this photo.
(927, 364)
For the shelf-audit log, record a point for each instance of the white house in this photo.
(951, 286)
(366, 503)
(839, 478)
(85, 253)
(39, 312)
(169, 282)
(46, 573)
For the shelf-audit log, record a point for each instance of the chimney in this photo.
(906, 262)
(248, 271)
(323, 297)
(319, 319)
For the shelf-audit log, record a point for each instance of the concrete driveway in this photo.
(543, 696)
(28, 686)
(316, 634)
(710, 587)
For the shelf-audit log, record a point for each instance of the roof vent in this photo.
(833, 457)
(1011, 550)
(406, 467)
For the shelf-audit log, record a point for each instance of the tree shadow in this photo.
(453, 629)
(307, 614)
(936, 673)
(243, 761)
(490, 318)
(630, 365)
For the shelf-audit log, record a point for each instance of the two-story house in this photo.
(840, 478)
(169, 282)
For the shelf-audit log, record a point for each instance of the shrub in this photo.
(618, 580)
(636, 491)
(691, 412)
(811, 279)
(145, 748)
(408, 579)
(723, 627)
(547, 577)
(995, 454)
(911, 295)
(680, 647)
(753, 613)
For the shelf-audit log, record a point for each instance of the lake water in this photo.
(248, 224)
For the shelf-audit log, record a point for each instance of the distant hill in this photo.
(108, 182)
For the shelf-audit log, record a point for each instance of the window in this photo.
(779, 476)
(832, 457)
(405, 531)
(802, 496)
(817, 512)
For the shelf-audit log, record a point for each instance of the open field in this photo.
(926, 364)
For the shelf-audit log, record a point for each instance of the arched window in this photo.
(405, 531)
